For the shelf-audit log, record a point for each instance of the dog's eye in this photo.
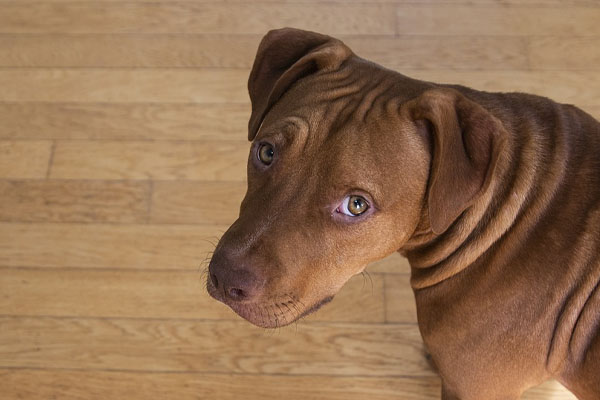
(353, 205)
(266, 153)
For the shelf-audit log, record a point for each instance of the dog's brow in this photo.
(299, 123)
(291, 129)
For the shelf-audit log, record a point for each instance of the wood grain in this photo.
(549, 390)
(564, 53)
(237, 51)
(435, 52)
(562, 86)
(186, 17)
(115, 50)
(197, 202)
(157, 294)
(123, 85)
(477, 21)
(196, 346)
(123, 121)
(75, 245)
(511, 3)
(24, 159)
(593, 111)
(201, 160)
(41, 384)
(74, 201)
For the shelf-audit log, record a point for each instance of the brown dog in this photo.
(494, 198)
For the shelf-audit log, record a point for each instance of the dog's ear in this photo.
(466, 141)
(283, 57)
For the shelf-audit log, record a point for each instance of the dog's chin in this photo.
(268, 315)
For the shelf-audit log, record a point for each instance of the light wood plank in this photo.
(212, 346)
(435, 52)
(197, 202)
(511, 3)
(562, 86)
(42, 385)
(107, 245)
(123, 121)
(549, 390)
(75, 201)
(24, 159)
(156, 294)
(186, 17)
(128, 50)
(399, 299)
(565, 52)
(136, 294)
(206, 160)
(476, 21)
(124, 85)
(238, 51)
(594, 111)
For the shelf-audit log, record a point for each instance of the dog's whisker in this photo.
(211, 239)
(295, 306)
(205, 263)
(366, 275)
(264, 315)
(289, 310)
(294, 317)
(282, 314)
(277, 324)
(207, 257)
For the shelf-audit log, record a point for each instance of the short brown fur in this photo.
(494, 198)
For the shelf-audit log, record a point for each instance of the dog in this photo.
(494, 198)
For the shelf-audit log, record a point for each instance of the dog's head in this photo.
(348, 161)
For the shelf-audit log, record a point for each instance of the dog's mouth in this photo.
(273, 314)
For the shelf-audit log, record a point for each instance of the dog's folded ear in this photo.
(283, 57)
(467, 141)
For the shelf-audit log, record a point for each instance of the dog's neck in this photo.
(494, 215)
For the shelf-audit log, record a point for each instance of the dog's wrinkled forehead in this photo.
(320, 108)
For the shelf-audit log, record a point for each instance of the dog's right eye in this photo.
(353, 206)
(266, 153)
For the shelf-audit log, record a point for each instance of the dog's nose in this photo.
(236, 284)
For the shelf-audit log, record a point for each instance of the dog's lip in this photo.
(245, 310)
(315, 307)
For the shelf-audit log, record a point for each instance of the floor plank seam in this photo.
(235, 321)
(50, 160)
(216, 373)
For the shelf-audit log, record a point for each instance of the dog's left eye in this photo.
(266, 153)
(353, 206)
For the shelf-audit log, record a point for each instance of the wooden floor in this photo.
(122, 160)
